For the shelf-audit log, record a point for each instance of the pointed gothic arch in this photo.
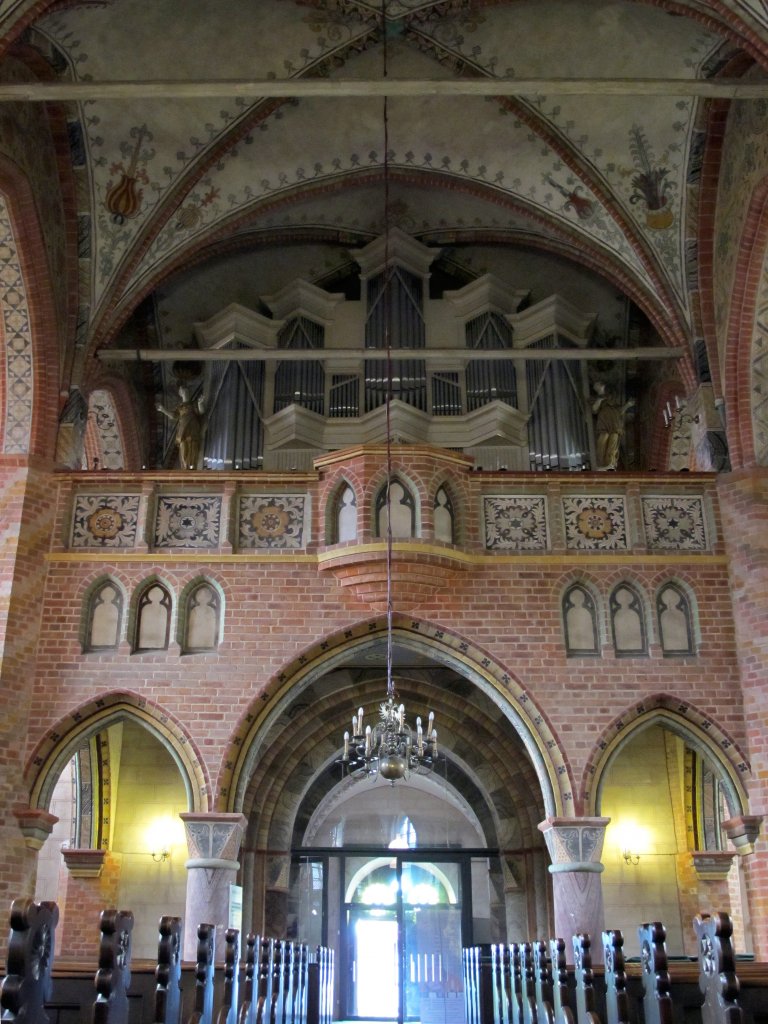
(62, 740)
(685, 720)
(469, 660)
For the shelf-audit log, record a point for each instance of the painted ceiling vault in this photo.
(611, 184)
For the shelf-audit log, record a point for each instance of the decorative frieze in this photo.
(187, 521)
(272, 521)
(105, 520)
(515, 522)
(675, 523)
(595, 522)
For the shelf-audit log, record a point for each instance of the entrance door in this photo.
(402, 920)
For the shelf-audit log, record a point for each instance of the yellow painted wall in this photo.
(150, 792)
(641, 792)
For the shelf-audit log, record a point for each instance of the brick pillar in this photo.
(712, 868)
(213, 840)
(744, 506)
(27, 500)
(89, 881)
(575, 846)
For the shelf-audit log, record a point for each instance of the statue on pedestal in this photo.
(190, 425)
(609, 426)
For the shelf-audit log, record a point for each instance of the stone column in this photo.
(213, 841)
(575, 846)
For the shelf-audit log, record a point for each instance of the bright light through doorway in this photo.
(376, 975)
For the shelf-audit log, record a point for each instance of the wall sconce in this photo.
(159, 856)
(630, 857)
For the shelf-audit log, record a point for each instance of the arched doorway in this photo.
(407, 879)
(309, 830)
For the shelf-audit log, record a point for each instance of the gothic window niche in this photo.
(103, 617)
(344, 525)
(403, 510)
(443, 517)
(153, 618)
(580, 623)
(673, 610)
(201, 618)
(630, 637)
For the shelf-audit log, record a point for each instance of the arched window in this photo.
(580, 622)
(104, 616)
(153, 619)
(673, 610)
(628, 622)
(202, 619)
(403, 510)
(345, 518)
(443, 517)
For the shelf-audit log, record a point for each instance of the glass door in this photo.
(403, 938)
(432, 940)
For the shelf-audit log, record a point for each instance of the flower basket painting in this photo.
(650, 185)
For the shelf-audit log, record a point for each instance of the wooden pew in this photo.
(247, 1012)
(616, 997)
(560, 995)
(717, 970)
(542, 974)
(168, 972)
(657, 1002)
(228, 1011)
(265, 981)
(527, 987)
(113, 978)
(206, 948)
(27, 985)
(515, 985)
(582, 971)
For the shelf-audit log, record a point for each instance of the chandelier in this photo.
(388, 747)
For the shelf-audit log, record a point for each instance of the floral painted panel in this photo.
(272, 521)
(675, 523)
(187, 521)
(595, 522)
(105, 520)
(515, 522)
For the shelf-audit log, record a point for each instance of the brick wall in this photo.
(279, 603)
(744, 502)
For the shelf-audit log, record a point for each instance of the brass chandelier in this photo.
(388, 748)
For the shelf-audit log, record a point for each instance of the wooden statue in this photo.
(27, 984)
(113, 978)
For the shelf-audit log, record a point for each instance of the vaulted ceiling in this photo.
(164, 190)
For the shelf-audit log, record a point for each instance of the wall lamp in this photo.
(630, 857)
(159, 856)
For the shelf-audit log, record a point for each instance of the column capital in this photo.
(35, 824)
(574, 844)
(213, 838)
(85, 863)
(712, 865)
(743, 831)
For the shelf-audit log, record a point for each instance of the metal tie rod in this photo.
(331, 355)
